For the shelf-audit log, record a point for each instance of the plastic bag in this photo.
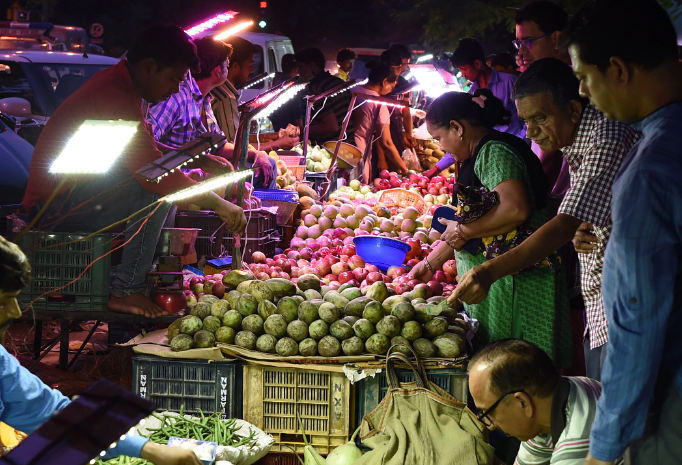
(411, 160)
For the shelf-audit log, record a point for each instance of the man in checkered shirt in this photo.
(187, 114)
(548, 100)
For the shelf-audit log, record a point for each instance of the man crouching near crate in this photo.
(517, 389)
(157, 62)
(25, 401)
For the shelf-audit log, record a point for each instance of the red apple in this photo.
(294, 255)
(219, 289)
(344, 258)
(198, 288)
(258, 257)
(173, 302)
(345, 277)
(439, 276)
(360, 274)
(371, 268)
(332, 259)
(384, 174)
(334, 285)
(284, 276)
(263, 276)
(436, 287)
(356, 261)
(450, 267)
(429, 290)
(338, 268)
(374, 277)
(387, 279)
(323, 267)
(185, 285)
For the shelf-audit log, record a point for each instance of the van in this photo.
(271, 49)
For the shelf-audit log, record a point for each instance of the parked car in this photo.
(34, 83)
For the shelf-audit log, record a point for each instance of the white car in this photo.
(32, 85)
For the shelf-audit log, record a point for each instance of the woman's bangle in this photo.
(458, 232)
(428, 265)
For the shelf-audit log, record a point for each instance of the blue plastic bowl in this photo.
(381, 252)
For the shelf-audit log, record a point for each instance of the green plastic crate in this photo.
(57, 266)
(371, 391)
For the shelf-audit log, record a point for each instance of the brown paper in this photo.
(156, 343)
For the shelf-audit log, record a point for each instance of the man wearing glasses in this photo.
(517, 388)
(538, 32)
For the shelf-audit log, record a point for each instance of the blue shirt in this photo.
(26, 403)
(642, 294)
(178, 119)
(501, 85)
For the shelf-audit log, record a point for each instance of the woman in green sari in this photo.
(532, 304)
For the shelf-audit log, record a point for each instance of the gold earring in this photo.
(461, 137)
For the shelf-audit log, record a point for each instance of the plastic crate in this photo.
(371, 391)
(261, 226)
(57, 266)
(286, 202)
(324, 401)
(278, 458)
(214, 386)
(403, 198)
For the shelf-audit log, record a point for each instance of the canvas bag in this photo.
(420, 423)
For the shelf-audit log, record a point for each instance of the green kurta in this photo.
(530, 305)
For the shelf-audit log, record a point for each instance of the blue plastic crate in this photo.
(278, 195)
(214, 386)
(371, 391)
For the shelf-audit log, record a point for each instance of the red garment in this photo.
(108, 95)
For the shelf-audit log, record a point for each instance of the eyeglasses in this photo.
(528, 43)
(483, 414)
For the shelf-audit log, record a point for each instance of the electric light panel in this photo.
(208, 185)
(381, 102)
(233, 30)
(424, 58)
(94, 147)
(269, 76)
(218, 19)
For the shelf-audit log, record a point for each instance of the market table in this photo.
(69, 320)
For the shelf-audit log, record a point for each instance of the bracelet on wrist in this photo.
(428, 265)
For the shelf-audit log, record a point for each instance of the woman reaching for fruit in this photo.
(530, 305)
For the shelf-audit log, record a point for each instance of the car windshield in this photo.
(44, 85)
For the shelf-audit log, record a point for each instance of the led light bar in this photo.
(424, 58)
(94, 147)
(257, 80)
(211, 23)
(208, 185)
(233, 30)
(181, 156)
(382, 102)
(280, 100)
(431, 81)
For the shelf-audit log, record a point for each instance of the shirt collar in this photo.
(193, 87)
(494, 77)
(233, 90)
(671, 110)
(558, 422)
(582, 136)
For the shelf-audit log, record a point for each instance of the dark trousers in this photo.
(99, 211)
(661, 443)
(594, 359)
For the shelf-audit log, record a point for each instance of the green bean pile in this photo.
(208, 428)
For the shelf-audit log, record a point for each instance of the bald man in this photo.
(517, 388)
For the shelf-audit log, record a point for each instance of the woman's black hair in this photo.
(15, 271)
(457, 106)
(379, 71)
(168, 45)
(391, 58)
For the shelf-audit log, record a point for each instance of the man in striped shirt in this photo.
(517, 389)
